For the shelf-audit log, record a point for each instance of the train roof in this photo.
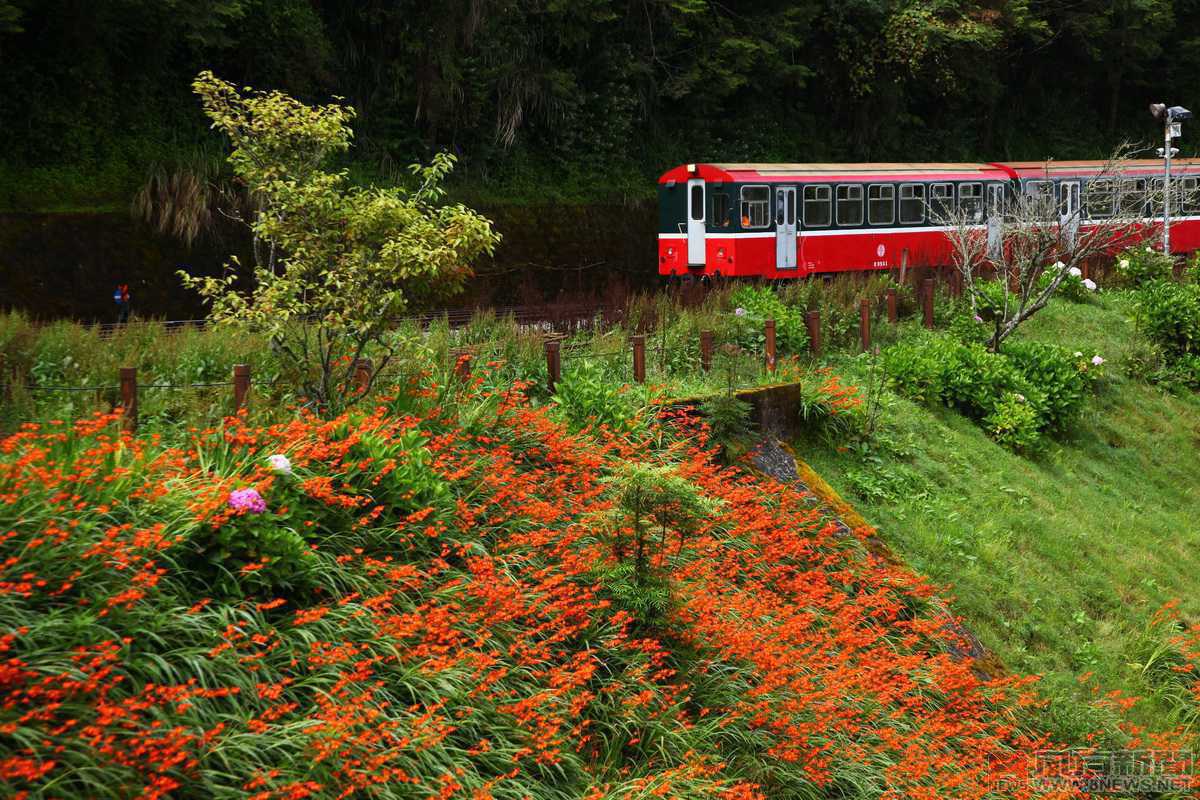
(1060, 169)
(752, 172)
(741, 173)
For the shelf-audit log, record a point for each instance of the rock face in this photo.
(776, 409)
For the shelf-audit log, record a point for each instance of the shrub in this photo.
(1139, 266)
(915, 368)
(1170, 316)
(754, 305)
(587, 397)
(1074, 287)
(1014, 423)
(1060, 380)
(1048, 382)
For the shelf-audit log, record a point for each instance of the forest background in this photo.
(587, 100)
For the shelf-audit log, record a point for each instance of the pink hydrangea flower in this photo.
(248, 501)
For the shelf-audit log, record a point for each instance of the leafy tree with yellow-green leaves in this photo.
(335, 262)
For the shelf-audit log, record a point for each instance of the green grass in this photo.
(1057, 562)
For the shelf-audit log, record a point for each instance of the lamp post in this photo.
(1172, 120)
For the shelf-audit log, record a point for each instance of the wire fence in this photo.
(547, 317)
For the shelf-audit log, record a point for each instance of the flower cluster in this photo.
(247, 501)
(463, 638)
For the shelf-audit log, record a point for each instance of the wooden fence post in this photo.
(956, 283)
(893, 315)
(639, 358)
(706, 350)
(362, 375)
(241, 386)
(864, 323)
(813, 320)
(927, 301)
(1176, 270)
(129, 399)
(553, 364)
(769, 332)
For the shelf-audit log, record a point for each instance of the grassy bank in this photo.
(1057, 561)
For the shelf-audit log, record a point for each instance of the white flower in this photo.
(1020, 397)
(741, 312)
(280, 463)
(1097, 360)
(1123, 263)
(1089, 284)
(1078, 354)
(1149, 249)
(1075, 271)
(1059, 265)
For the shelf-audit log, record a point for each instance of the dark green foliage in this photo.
(655, 508)
(1060, 380)
(1141, 266)
(588, 98)
(753, 305)
(728, 420)
(1170, 316)
(1028, 389)
(589, 397)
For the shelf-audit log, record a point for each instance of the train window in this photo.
(756, 206)
(698, 202)
(941, 201)
(1040, 193)
(720, 210)
(1101, 198)
(1132, 198)
(817, 202)
(1189, 195)
(881, 204)
(912, 203)
(849, 205)
(791, 208)
(970, 201)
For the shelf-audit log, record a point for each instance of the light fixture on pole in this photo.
(1172, 120)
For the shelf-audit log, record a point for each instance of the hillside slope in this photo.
(457, 597)
(1061, 561)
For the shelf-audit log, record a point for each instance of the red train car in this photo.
(792, 220)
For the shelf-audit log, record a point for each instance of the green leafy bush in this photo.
(1014, 423)
(1170, 316)
(1027, 390)
(753, 305)
(1059, 379)
(587, 397)
(1139, 266)
(1074, 287)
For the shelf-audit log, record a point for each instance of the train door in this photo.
(1068, 209)
(695, 225)
(995, 219)
(785, 227)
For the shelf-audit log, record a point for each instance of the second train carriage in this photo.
(792, 220)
